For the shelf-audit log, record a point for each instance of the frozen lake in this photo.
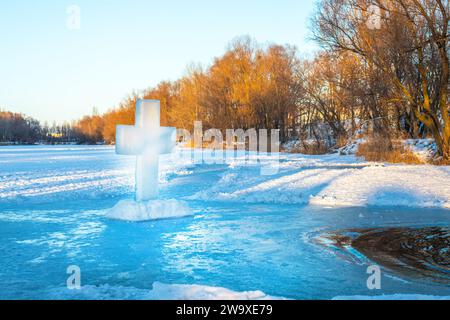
(249, 232)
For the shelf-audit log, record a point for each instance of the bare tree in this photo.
(409, 45)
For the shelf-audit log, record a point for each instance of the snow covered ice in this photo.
(160, 291)
(95, 172)
(333, 180)
(248, 232)
(130, 210)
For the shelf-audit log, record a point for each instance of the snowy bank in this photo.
(160, 291)
(131, 210)
(424, 149)
(197, 292)
(325, 180)
(333, 180)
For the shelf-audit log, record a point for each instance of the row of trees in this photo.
(248, 87)
(383, 70)
(16, 128)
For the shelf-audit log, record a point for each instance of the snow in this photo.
(425, 149)
(197, 292)
(160, 291)
(40, 174)
(333, 180)
(352, 147)
(409, 186)
(131, 210)
(327, 180)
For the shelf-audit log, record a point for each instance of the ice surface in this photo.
(131, 210)
(249, 231)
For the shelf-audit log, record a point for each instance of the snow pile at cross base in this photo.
(130, 210)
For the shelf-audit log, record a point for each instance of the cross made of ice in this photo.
(146, 140)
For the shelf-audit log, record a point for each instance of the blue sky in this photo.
(54, 73)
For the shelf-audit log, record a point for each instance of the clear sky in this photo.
(52, 70)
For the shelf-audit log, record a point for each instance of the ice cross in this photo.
(146, 140)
